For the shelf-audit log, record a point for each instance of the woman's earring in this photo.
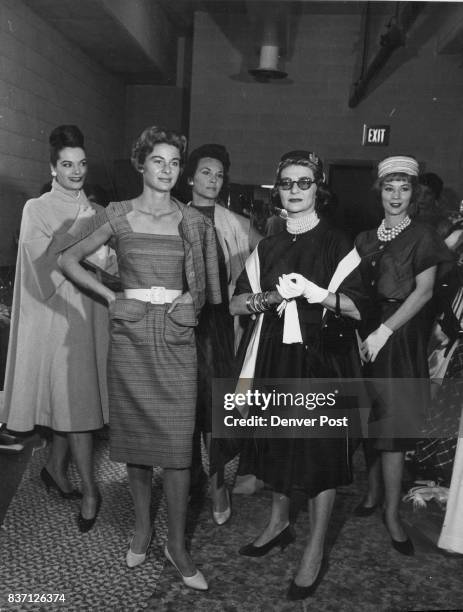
(190, 182)
(53, 173)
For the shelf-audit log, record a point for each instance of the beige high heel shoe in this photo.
(197, 581)
(133, 559)
(220, 518)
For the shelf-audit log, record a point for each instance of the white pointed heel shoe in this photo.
(220, 518)
(133, 559)
(197, 581)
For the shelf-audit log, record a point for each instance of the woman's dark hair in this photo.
(46, 187)
(152, 136)
(64, 136)
(433, 182)
(97, 194)
(309, 160)
(401, 176)
(214, 151)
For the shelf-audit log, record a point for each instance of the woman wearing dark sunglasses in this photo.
(293, 270)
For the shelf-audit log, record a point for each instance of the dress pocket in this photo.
(179, 325)
(128, 320)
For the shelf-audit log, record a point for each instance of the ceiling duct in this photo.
(393, 38)
(271, 20)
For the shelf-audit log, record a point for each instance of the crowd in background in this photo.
(138, 295)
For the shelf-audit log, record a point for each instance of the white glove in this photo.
(287, 289)
(281, 308)
(375, 342)
(312, 292)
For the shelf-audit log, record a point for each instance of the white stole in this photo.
(343, 269)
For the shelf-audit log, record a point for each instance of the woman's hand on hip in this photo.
(110, 297)
(185, 298)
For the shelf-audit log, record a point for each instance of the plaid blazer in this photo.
(197, 233)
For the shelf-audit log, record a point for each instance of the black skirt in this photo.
(312, 464)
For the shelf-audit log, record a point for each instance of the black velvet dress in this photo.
(312, 464)
(388, 270)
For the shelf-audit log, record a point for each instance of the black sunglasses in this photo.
(303, 183)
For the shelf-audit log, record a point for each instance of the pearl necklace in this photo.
(301, 225)
(387, 234)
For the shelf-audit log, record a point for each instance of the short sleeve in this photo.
(430, 251)
(242, 284)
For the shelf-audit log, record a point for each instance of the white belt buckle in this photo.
(157, 295)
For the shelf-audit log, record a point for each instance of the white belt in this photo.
(154, 295)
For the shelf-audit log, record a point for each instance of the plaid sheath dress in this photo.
(152, 358)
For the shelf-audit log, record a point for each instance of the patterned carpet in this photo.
(365, 573)
(43, 552)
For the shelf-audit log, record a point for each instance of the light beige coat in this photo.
(56, 365)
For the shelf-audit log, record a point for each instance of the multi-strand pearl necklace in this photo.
(301, 225)
(387, 234)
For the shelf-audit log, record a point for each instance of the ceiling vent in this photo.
(272, 28)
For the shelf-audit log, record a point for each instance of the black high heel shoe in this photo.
(404, 547)
(283, 539)
(50, 483)
(296, 592)
(86, 524)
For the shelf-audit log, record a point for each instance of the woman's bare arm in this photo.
(346, 305)
(238, 302)
(415, 301)
(69, 262)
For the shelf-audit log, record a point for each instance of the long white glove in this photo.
(297, 285)
(375, 342)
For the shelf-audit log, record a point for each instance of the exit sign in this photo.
(375, 135)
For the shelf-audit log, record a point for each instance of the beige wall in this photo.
(152, 105)
(421, 98)
(46, 81)
(148, 25)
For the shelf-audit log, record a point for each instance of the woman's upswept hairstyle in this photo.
(312, 161)
(64, 136)
(152, 136)
(214, 151)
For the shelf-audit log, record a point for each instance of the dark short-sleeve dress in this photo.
(388, 270)
(313, 464)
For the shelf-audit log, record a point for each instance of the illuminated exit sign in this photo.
(375, 135)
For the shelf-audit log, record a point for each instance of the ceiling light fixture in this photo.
(272, 30)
